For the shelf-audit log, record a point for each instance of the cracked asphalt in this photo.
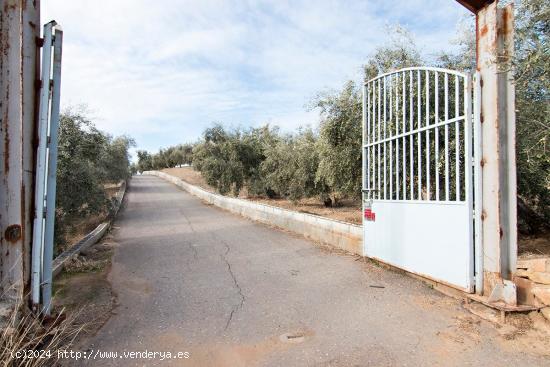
(230, 292)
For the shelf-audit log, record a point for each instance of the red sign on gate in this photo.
(370, 215)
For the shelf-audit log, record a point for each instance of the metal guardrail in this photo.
(91, 238)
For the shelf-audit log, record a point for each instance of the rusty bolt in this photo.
(13, 233)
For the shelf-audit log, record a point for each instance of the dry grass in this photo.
(81, 228)
(80, 264)
(31, 340)
(533, 246)
(85, 225)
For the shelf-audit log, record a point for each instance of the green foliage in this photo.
(166, 158)
(339, 144)
(532, 72)
(230, 159)
(114, 159)
(290, 166)
(87, 160)
(531, 69)
(217, 158)
(145, 161)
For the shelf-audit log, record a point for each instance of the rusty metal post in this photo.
(495, 42)
(19, 60)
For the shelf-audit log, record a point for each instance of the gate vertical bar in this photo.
(379, 147)
(52, 171)
(363, 136)
(384, 136)
(419, 135)
(396, 122)
(38, 234)
(457, 139)
(446, 86)
(373, 136)
(468, 171)
(436, 112)
(411, 123)
(428, 188)
(404, 117)
(478, 183)
(390, 133)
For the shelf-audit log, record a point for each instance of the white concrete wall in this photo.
(342, 235)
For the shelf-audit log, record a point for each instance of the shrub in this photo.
(87, 160)
(290, 166)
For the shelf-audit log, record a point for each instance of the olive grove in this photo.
(325, 162)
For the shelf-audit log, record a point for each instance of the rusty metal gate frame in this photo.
(419, 145)
(46, 167)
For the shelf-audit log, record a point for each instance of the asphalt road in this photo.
(230, 292)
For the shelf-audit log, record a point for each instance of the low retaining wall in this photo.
(346, 236)
(92, 237)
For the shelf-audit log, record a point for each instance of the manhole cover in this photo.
(294, 338)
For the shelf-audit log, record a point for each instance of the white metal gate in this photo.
(417, 173)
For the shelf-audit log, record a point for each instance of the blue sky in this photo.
(161, 71)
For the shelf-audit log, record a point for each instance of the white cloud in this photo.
(162, 71)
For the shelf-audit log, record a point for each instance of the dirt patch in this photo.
(534, 245)
(349, 210)
(525, 337)
(221, 355)
(189, 175)
(83, 289)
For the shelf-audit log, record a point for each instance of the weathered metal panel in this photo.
(495, 47)
(52, 174)
(41, 164)
(19, 20)
(426, 238)
(507, 114)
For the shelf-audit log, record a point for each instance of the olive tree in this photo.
(531, 71)
(87, 160)
(290, 166)
(339, 144)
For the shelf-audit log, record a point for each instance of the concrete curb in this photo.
(346, 236)
(91, 238)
